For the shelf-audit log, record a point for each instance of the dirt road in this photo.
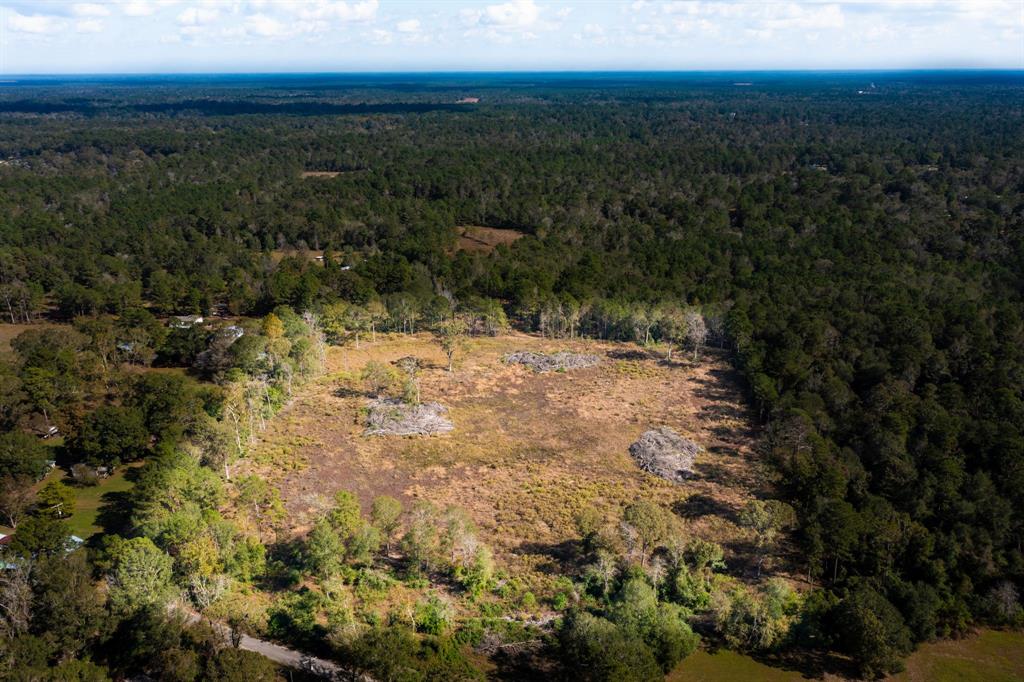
(275, 652)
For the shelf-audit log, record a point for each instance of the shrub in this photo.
(433, 615)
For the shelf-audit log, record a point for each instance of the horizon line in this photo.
(485, 71)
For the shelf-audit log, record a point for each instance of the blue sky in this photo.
(131, 36)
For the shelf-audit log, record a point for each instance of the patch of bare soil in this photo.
(531, 449)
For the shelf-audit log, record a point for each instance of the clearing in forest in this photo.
(8, 332)
(312, 255)
(476, 238)
(320, 174)
(529, 449)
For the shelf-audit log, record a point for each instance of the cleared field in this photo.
(484, 239)
(728, 666)
(528, 450)
(989, 656)
(278, 254)
(89, 500)
(9, 332)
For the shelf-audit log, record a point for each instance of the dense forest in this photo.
(856, 242)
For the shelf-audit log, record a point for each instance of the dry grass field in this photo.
(8, 332)
(484, 239)
(528, 450)
(277, 255)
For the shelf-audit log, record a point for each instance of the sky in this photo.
(202, 36)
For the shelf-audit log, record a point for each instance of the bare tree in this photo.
(16, 498)
(605, 568)
(316, 335)
(1004, 602)
(15, 600)
(696, 330)
(205, 590)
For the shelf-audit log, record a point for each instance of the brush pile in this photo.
(552, 362)
(394, 417)
(665, 453)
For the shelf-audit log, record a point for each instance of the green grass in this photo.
(727, 666)
(991, 656)
(89, 499)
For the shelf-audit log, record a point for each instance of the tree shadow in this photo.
(696, 506)
(809, 664)
(631, 354)
(346, 392)
(114, 512)
(531, 665)
(559, 557)
(723, 410)
(715, 473)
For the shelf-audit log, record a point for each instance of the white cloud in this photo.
(265, 26)
(144, 8)
(89, 9)
(879, 32)
(138, 9)
(794, 16)
(508, 22)
(36, 23)
(89, 26)
(515, 14)
(679, 33)
(408, 26)
(198, 16)
(336, 10)
(380, 37)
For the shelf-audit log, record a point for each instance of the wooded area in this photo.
(860, 256)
